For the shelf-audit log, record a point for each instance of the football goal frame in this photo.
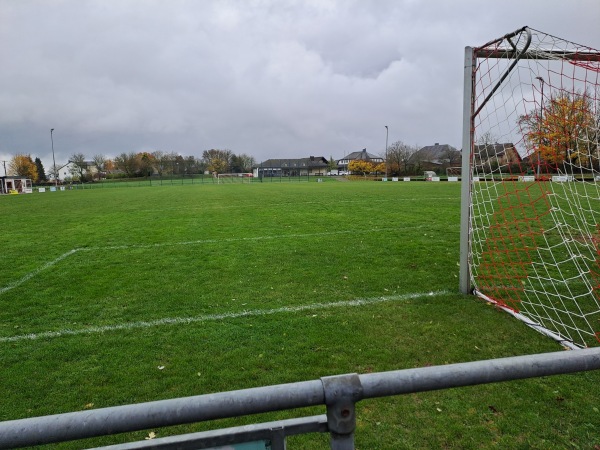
(530, 194)
(245, 177)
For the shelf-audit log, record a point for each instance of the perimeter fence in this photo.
(338, 393)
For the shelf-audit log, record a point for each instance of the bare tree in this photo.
(128, 163)
(451, 157)
(162, 162)
(100, 163)
(79, 167)
(399, 156)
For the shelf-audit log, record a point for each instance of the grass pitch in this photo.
(114, 296)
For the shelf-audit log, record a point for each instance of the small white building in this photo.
(16, 185)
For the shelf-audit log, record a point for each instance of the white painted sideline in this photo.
(213, 317)
(28, 276)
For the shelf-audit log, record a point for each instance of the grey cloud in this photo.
(269, 78)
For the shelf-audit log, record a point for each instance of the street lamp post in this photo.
(542, 82)
(386, 150)
(53, 160)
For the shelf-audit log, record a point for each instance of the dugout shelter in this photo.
(15, 185)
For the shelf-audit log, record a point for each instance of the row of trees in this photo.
(402, 159)
(141, 164)
(564, 130)
(144, 164)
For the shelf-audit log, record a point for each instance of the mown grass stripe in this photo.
(215, 317)
(47, 265)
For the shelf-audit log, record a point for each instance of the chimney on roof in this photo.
(437, 143)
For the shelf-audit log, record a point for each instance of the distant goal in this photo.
(234, 178)
(530, 231)
(453, 171)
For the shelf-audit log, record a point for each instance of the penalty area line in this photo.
(28, 276)
(38, 270)
(216, 317)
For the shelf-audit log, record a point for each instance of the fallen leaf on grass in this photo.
(151, 435)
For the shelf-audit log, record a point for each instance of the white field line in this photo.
(215, 317)
(280, 204)
(33, 273)
(246, 239)
(38, 270)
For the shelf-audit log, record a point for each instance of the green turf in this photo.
(78, 260)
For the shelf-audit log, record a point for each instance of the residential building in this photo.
(362, 155)
(313, 165)
(71, 170)
(497, 154)
(436, 158)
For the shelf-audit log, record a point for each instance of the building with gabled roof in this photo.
(362, 155)
(313, 165)
(500, 154)
(435, 157)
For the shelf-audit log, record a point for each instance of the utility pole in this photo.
(542, 82)
(386, 150)
(53, 160)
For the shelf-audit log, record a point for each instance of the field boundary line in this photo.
(215, 317)
(279, 204)
(242, 239)
(28, 276)
(38, 270)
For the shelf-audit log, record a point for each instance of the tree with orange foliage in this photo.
(109, 166)
(563, 131)
(361, 167)
(380, 168)
(23, 166)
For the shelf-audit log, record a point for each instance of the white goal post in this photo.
(234, 177)
(530, 214)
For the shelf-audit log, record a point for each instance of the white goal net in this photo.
(532, 214)
(234, 178)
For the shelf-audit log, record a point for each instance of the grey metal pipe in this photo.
(85, 424)
(478, 372)
(119, 419)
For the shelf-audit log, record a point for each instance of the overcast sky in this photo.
(269, 78)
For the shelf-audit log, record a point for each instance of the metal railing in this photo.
(339, 393)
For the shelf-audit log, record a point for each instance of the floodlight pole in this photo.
(53, 160)
(386, 150)
(542, 82)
